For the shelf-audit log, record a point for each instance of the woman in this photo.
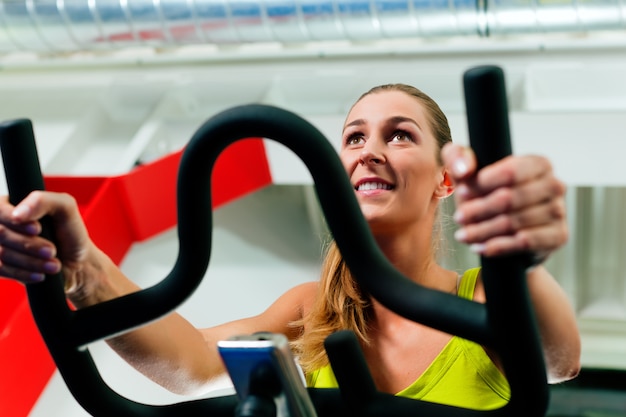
(396, 151)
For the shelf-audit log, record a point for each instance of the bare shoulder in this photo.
(277, 318)
(299, 297)
(307, 288)
(291, 307)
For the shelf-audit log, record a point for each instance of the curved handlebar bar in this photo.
(496, 324)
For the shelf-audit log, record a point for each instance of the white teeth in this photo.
(366, 186)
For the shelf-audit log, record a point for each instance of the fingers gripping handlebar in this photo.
(505, 322)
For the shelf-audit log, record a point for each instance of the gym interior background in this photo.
(118, 88)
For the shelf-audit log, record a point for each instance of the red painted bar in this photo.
(118, 211)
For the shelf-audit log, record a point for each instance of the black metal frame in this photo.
(505, 323)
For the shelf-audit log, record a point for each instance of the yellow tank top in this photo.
(462, 375)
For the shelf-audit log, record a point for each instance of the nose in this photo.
(372, 153)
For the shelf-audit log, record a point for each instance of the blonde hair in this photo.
(340, 303)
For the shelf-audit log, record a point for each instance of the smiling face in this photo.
(391, 156)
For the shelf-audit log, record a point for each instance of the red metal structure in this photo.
(118, 211)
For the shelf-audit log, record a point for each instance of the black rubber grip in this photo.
(487, 114)
(21, 166)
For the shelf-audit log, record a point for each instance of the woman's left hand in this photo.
(514, 205)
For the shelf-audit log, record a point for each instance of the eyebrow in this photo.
(391, 120)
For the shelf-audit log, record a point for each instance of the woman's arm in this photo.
(556, 322)
(557, 325)
(170, 351)
(517, 205)
(184, 359)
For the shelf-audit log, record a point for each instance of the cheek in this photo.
(347, 160)
(424, 178)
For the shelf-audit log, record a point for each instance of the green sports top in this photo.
(462, 375)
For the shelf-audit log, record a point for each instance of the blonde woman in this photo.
(396, 149)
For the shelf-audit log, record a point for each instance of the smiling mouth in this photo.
(367, 186)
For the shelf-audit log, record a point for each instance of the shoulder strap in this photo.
(468, 283)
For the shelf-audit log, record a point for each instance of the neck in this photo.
(410, 253)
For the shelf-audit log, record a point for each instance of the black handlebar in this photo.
(505, 323)
(509, 310)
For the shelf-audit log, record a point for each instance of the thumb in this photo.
(460, 161)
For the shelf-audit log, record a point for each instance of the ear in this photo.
(445, 188)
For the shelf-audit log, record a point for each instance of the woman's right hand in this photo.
(27, 257)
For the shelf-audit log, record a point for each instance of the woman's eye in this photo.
(401, 136)
(354, 140)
